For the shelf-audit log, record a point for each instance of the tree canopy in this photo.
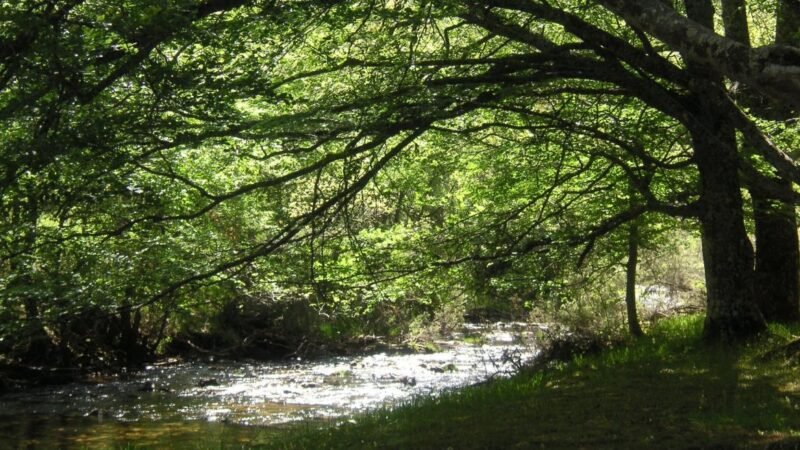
(162, 156)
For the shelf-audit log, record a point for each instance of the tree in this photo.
(167, 125)
(692, 95)
(727, 251)
(777, 263)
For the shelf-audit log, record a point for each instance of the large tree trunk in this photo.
(777, 254)
(732, 313)
(778, 250)
(777, 259)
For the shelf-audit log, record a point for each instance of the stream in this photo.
(233, 404)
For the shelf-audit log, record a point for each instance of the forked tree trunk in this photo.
(777, 247)
(777, 254)
(732, 313)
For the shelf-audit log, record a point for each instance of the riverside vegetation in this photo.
(666, 391)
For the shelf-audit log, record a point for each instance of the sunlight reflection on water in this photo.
(174, 400)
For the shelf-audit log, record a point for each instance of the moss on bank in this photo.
(664, 391)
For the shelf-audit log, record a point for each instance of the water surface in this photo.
(233, 404)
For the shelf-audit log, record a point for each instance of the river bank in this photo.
(665, 391)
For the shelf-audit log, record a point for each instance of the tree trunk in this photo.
(777, 255)
(732, 313)
(630, 280)
(777, 259)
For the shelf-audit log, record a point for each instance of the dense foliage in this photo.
(339, 168)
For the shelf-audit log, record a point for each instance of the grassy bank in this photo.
(665, 391)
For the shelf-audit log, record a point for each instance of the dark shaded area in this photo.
(566, 347)
(789, 352)
(251, 329)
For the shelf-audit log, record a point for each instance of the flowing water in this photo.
(231, 404)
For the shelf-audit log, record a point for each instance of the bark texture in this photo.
(777, 265)
(773, 70)
(777, 259)
(732, 313)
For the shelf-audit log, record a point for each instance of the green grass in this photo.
(664, 391)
